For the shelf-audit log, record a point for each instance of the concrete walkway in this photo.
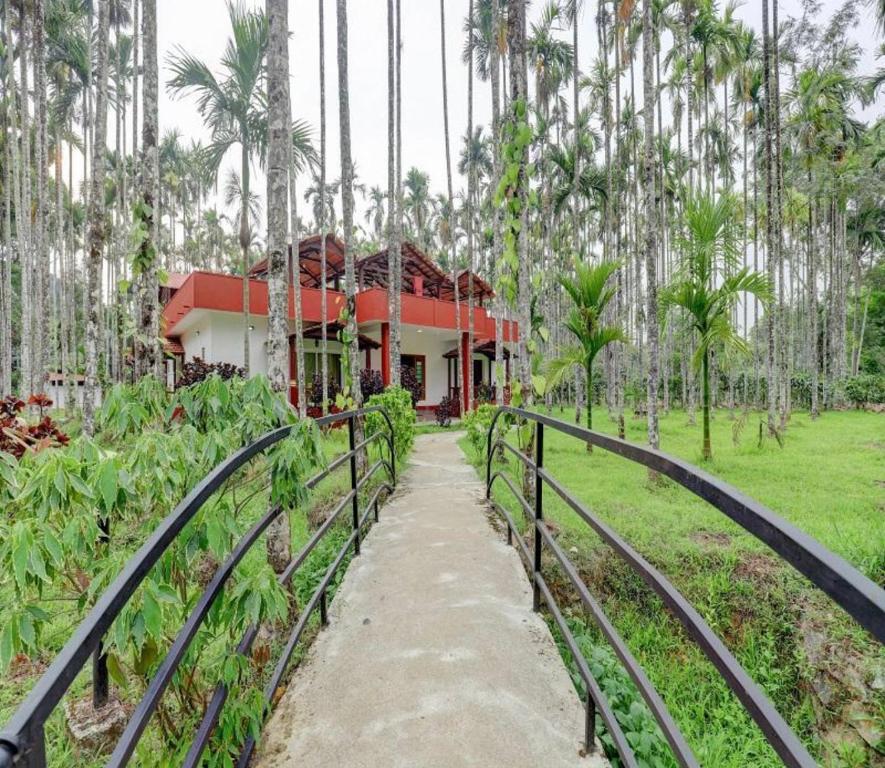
(433, 656)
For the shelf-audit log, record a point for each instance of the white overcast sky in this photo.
(201, 27)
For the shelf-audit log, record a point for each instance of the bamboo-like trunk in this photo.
(97, 233)
(651, 227)
(147, 355)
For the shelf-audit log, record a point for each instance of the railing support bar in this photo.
(539, 514)
(589, 725)
(351, 434)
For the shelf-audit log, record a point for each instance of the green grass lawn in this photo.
(829, 480)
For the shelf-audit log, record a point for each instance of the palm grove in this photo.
(687, 215)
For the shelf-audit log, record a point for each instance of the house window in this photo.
(418, 364)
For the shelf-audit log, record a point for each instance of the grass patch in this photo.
(827, 480)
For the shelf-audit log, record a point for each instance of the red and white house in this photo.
(203, 317)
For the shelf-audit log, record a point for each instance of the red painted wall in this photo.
(207, 290)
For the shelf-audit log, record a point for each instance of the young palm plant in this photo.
(709, 284)
(590, 294)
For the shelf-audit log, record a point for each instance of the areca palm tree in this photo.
(709, 284)
(590, 295)
(234, 106)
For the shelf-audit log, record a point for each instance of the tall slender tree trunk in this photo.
(347, 201)
(26, 352)
(396, 345)
(41, 252)
(813, 362)
(324, 277)
(777, 223)
(394, 245)
(651, 224)
(148, 356)
(245, 237)
(471, 207)
(497, 249)
(277, 193)
(451, 209)
(11, 182)
(581, 386)
(516, 38)
(97, 225)
(295, 260)
(770, 247)
(278, 539)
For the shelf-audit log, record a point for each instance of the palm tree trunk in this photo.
(705, 375)
(395, 321)
(393, 245)
(11, 182)
(471, 206)
(813, 362)
(245, 236)
(770, 176)
(148, 357)
(300, 373)
(347, 201)
(516, 34)
(651, 225)
(324, 299)
(497, 249)
(278, 539)
(26, 352)
(96, 224)
(277, 194)
(41, 250)
(451, 199)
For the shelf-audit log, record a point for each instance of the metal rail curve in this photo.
(850, 589)
(22, 740)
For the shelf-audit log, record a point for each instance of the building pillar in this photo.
(467, 368)
(385, 353)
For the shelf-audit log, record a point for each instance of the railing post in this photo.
(590, 725)
(100, 678)
(324, 611)
(351, 433)
(539, 511)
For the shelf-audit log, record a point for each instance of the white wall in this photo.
(217, 337)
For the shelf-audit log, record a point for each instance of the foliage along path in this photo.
(433, 655)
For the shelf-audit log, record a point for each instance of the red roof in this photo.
(173, 347)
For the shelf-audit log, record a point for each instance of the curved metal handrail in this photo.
(859, 596)
(22, 738)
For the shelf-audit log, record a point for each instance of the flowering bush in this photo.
(18, 436)
(198, 369)
(371, 383)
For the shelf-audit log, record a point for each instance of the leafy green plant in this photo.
(75, 515)
(865, 389)
(709, 283)
(477, 423)
(590, 295)
(128, 409)
(398, 404)
(636, 720)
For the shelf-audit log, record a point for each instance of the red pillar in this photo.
(467, 374)
(385, 353)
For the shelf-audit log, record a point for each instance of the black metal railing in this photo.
(22, 741)
(858, 595)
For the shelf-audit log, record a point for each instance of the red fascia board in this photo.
(224, 293)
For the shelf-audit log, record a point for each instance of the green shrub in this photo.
(129, 409)
(398, 404)
(867, 388)
(477, 423)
